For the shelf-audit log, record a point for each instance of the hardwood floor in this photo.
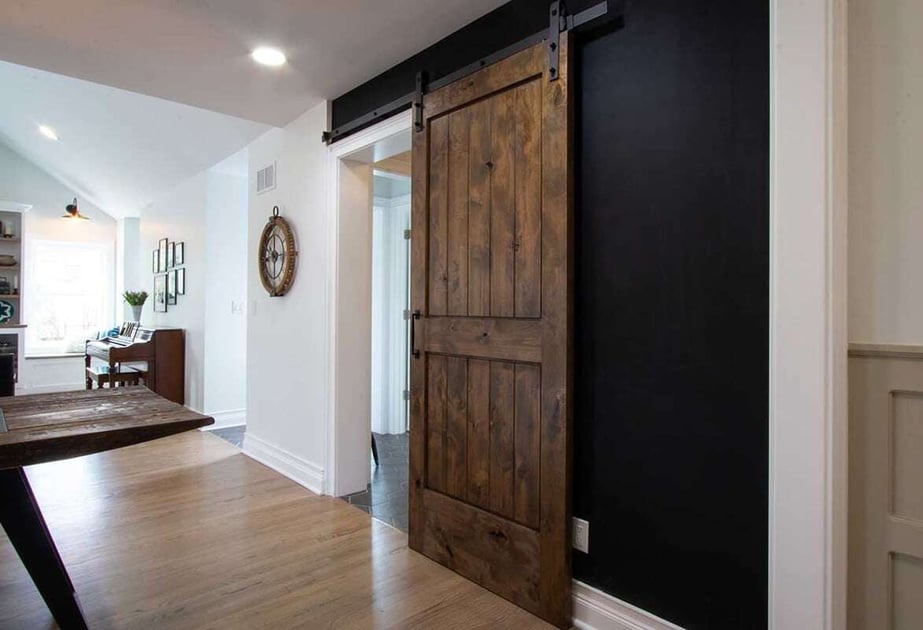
(186, 532)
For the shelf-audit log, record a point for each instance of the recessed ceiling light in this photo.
(268, 56)
(48, 132)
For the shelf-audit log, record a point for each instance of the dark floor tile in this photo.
(386, 499)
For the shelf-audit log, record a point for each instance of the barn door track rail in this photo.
(559, 21)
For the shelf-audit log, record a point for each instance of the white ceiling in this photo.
(117, 149)
(196, 51)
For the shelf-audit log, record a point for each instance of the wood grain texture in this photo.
(502, 206)
(47, 427)
(515, 69)
(508, 339)
(527, 190)
(436, 423)
(419, 242)
(502, 447)
(479, 433)
(479, 210)
(438, 217)
(501, 555)
(456, 442)
(495, 338)
(187, 532)
(557, 342)
(526, 492)
(457, 176)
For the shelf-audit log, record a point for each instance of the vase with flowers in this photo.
(135, 300)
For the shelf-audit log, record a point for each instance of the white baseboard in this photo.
(301, 471)
(596, 610)
(227, 419)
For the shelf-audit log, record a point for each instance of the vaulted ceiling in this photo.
(117, 149)
(146, 93)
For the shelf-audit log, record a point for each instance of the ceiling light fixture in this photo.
(73, 212)
(48, 132)
(268, 56)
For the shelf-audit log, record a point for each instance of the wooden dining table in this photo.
(41, 428)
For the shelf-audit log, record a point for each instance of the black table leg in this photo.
(23, 522)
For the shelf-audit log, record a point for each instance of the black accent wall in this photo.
(672, 310)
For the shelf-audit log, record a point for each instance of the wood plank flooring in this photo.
(186, 532)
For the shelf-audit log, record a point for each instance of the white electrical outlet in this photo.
(581, 535)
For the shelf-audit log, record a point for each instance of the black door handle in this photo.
(413, 346)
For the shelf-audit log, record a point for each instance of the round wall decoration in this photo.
(277, 255)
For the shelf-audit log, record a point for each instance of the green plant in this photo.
(135, 298)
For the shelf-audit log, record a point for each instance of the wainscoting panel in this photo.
(885, 487)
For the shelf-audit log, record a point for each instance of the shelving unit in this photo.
(12, 332)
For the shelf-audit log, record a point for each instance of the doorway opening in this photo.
(386, 498)
(370, 252)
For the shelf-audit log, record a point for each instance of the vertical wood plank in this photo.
(528, 441)
(502, 448)
(502, 211)
(479, 433)
(438, 216)
(418, 285)
(527, 179)
(456, 442)
(435, 423)
(557, 315)
(479, 210)
(457, 269)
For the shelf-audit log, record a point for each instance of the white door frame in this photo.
(348, 379)
(808, 340)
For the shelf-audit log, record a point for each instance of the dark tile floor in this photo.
(234, 435)
(386, 498)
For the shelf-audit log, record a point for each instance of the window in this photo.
(68, 292)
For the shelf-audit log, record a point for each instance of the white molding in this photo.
(596, 610)
(336, 152)
(301, 471)
(808, 343)
(227, 419)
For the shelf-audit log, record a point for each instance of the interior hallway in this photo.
(186, 532)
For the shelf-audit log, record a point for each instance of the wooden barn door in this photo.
(491, 267)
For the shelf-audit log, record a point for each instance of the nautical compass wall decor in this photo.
(277, 255)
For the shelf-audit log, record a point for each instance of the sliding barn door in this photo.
(491, 266)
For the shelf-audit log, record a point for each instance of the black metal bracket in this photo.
(417, 104)
(556, 23)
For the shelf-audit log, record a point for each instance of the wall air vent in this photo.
(266, 178)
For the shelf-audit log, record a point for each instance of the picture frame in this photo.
(162, 249)
(170, 248)
(181, 281)
(171, 287)
(155, 261)
(179, 253)
(160, 293)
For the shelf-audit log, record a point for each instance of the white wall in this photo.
(225, 351)
(179, 215)
(390, 217)
(286, 336)
(886, 171)
(208, 212)
(128, 272)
